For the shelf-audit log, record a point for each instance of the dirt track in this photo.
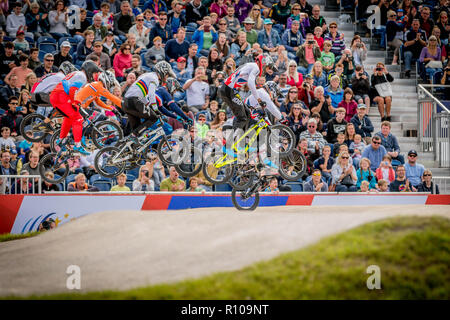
(122, 250)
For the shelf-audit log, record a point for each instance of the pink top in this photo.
(350, 109)
(292, 83)
(220, 10)
(121, 61)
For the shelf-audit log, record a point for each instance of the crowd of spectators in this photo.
(326, 91)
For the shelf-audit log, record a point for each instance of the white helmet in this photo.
(108, 80)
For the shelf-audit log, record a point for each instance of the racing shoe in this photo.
(60, 145)
(81, 150)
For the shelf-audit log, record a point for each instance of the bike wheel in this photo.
(281, 140)
(244, 202)
(106, 133)
(104, 165)
(57, 165)
(293, 166)
(216, 175)
(242, 180)
(192, 166)
(34, 124)
(172, 151)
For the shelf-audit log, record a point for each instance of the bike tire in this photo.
(235, 193)
(296, 160)
(43, 169)
(243, 184)
(188, 170)
(287, 133)
(102, 124)
(164, 156)
(31, 120)
(226, 175)
(99, 158)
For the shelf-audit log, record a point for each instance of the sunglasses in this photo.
(376, 142)
(296, 9)
(14, 103)
(333, 27)
(427, 175)
(344, 157)
(316, 174)
(163, 19)
(412, 155)
(293, 91)
(127, 49)
(222, 24)
(49, 60)
(140, 20)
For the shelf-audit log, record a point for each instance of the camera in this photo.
(310, 41)
(46, 225)
(359, 45)
(147, 174)
(378, 69)
(19, 108)
(361, 74)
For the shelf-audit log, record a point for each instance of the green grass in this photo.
(413, 254)
(9, 237)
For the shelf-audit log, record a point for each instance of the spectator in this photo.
(344, 174)
(252, 34)
(280, 13)
(86, 47)
(319, 77)
(6, 142)
(37, 22)
(122, 61)
(110, 46)
(336, 39)
(385, 171)
(365, 174)
(294, 78)
(415, 40)
(222, 47)
(316, 142)
(401, 183)
(305, 7)
(316, 20)
(197, 91)
(307, 54)
(318, 37)
(195, 11)
(155, 53)
(361, 87)
(120, 186)
(191, 58)
(107, 15)
(32, 167)
(426, 23)
(47, 67)
(9, 90)
(131, 40)
(193, 185)
(63, 54)
(219, 119)
(358, 50)
(145, 181)
(394, 34)
(340, 141)
(177, 47)
(349, 135)
(239, 47)
(100, 30)
(105, 61)
(176, 17)
(173, 183)
(25, 101)
(339, 72)
(348, 104)
(321, 105)
(443, 25)
(430, 56)
(20, 44)
(291, 99)
(215, 64)
(16, 21)
(7, 60)
(123, 21)
(233, 23)
(161, 29)
(33, 59)
(243, 8)
(20, 72)
(336, 125)
(390, 142)
(78, 33)
(306, 91)
(80, 184)
(205, 36)
(362, 123)
(268, 38)
(48, 187)
(334, 91)
(255, 14)
(327, 58)
(414, 171)
(325, 163)
(380, 83)
(181, 72)
(155, 6)
(124, 86)
(303, 148)
(12, 118)
(201, 126)
(23, 185)
(58, 21)
(427, 185)
(348, 63)
(375, 153)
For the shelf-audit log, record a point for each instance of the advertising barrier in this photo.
(24, 213)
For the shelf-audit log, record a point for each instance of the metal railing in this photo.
(433, 119)
(20, 184)
(443, 184)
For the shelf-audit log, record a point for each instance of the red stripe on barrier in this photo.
(300, 200)
(157, 202)
(9, 207)
(442, 199)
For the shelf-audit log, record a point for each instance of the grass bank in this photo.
(9, 237)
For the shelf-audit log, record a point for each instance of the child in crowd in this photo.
(383, 185)
(364, 186)
(201, 126)
(357, 146)
(327, 58)
(318, 37)
(273, 186)
(6, 142)
(326, 162)
(120, 186)
(385, 170)
(24, 147)
(193, 185)
(338, 144)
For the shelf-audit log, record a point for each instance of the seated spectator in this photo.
(414, 171)
(316, 20)
(239, 47)
(47, 67)
(443, 25)
(382, 76)
(383, 186)
(339, 72)
(136, 66)
(63, 54)
(23, 185)
(21, 46)
(214, 62)
(431, 57)
(307, 54)
(326, 163)
(362, 123)
(306, 92)
(340, 141)
(13, 117)
(336, 125)
(58, 21)
(294, 78)
(110, 46)
(124, 86)
(273, 186)
(302, 146)
(415, 40)
(427, 185)
(321, 105)
(195, 11)
(78, 33)
(141, 32)
(193, 185)
(365, 187)
(156, 53)
(16, 21)
(8, 60)
(177, 47)
(233, 23)
(336, 39)
(80, 184)
(201, 126)
(348, 64)
(120, 186)
(176, 17)
(32, 167)
(318, 37)
(87, 164)
(375, 153)
(197, 91)
(122, 61)
(181, 72)
(144, 182)
(269, 38)
(349, 104)
(105, 61)
(219, 119)
(385, 171)
(124, 20)
(319, 77)
(33, 60)
(334, 91)
(173, 183)
(252, 34)
(37, 22)
(401, 183)
(390, 142)
(134, 48)
(361, 87)
(350, 134)
(222, 46)
(358, 51)
(344, 174)
(358, 146)
(6, 142)
(316, 142)
(365, 174)
(48, 187)
(292, 39)
(100, 30)
(296, 121)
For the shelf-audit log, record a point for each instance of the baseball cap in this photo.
(249, 21)
(109, 33)
(362, 106)
(181, 59)
(20, 32)
(268, 21)
(412, 151)
(66, 44)
(13, 151)
(308, 76)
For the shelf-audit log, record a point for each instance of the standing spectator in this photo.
(47, 67)
(327, 58)
(401, 183)
(58, 21)
(172, 183)
(316, 142)
(177, 17)
(268, 38)
(321, 105)
(361, 87)
(344, 174)
(161, 29)
(358, 51)
(427, 185)
(195, 11)
(315, 184)
(205, 36)
(382, 76)
(63, 54)
(100, 30)
(362, 123)
(414, 170)
(124, 20)
(219, 7)
(197, 91)
(122, 61)
(177, 47)
(239, 47)
(415, 40)
(80, 184)
(16, 21)
(336, 39)
(120, 186)
(307, 54)
(78, 33)
(86, 47)
(390, 142)
(375, 153)
(348, 104)
(191, 58)
(20, 72)
(105, 61)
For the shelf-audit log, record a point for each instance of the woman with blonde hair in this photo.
(240, 46)
(30, 80)
(219, 120)
(229, 66)
(319, 77)
(255, 14)
(25, 100)
(431, 58)
(294, 78)
(144, 181)
(344, 174)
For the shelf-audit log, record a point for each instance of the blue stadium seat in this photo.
(144, 63)
(223, 187)
(129, 184)
(295, 186)
(47, 47)
(8, 39)
(134, 172)
(95, 177)
(103, 185)
(70, 178)
(189, 35)
(45, 40)
(131, 177)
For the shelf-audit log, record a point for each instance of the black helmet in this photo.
(66, 67)
(173, 85)
(163, 69)
(90, 67)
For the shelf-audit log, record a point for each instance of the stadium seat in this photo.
(131, 177)
(47, 47)
(144, 63)
(8, 39)
(223, 187)
(189, 35)
(70, 178)
(129, 184)
(95, 177)
(134, 172)
(103, 185)
(295, 186)
(45, 40)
